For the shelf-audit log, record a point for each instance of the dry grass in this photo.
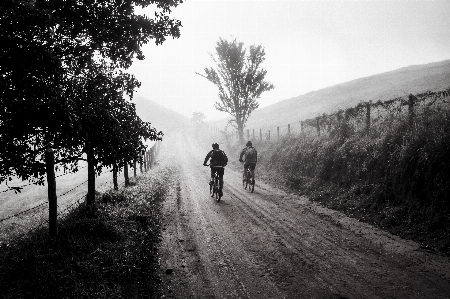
(396, 178)
(107, 252)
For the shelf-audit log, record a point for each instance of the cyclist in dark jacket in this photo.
(218, 161)
(251, 157)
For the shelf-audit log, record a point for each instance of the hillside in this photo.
(401, 82)
(162, 118)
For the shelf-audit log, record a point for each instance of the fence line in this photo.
(18, 188)
(364, 117)
(23, 212)
(149, 156)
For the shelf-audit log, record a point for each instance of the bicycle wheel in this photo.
(211, 190)
(244, 181)
(216, 187)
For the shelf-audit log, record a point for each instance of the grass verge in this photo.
(106, 252)
(396, 178)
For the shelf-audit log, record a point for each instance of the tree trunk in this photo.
(116, 186)
(125, 173)
(52, 198)
(90, 198)
(240, 129)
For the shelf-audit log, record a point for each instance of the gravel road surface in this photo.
(272, 244)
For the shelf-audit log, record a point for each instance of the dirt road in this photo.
(271, 244)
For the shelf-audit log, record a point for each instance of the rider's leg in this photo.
(211, 181)
(221, 181)
(220, 172)
(252, 172)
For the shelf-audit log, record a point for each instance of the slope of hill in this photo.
(162, 118)
(385, 86)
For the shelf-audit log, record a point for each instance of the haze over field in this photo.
(413, 79)
(310, 46)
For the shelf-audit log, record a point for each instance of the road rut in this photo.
(272, 244)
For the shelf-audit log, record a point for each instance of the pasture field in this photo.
(31, 202)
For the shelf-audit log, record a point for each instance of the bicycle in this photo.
(247, 180)
(214, 188)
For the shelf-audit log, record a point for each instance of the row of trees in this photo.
(63, 83)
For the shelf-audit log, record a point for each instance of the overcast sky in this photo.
(309, 45)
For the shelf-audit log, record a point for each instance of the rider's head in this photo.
(215, 146)
(249, 143)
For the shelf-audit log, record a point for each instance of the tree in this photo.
(46, 46)
(106, 124)
(198, 117)
(239, 78)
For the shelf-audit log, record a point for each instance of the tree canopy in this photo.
(198, 117)
(61, 76)
(240, 79)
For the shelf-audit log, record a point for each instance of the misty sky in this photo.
(309, 45)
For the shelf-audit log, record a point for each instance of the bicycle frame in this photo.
(214, 189)
(247, 180)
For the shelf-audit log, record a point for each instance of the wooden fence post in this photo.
(269, 136)
(278, 132)
(152, 156)
(144, 160)
(289, 130)
(301, 126)
(318, 125)
(368, 105)
(52, 198)
(411, 109)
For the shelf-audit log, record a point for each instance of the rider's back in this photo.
(251, 155)
(218, 158)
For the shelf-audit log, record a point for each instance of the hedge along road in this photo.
(272, 244)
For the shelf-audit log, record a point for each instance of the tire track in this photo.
(269, 244)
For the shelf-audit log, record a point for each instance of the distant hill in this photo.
(162, 118)
(412, 79)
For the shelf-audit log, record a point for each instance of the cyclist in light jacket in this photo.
(251, 157)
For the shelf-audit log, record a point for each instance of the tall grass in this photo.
(396, 177)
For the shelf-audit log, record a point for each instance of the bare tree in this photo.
(239, 78)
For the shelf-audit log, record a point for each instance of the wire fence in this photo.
(363, 118)
(28, 203)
